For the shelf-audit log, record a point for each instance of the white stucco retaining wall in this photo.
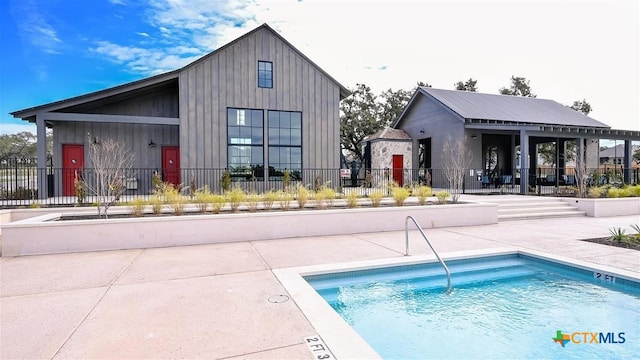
(607, 207)
(39, 236)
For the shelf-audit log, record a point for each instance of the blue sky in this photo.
(569, 50)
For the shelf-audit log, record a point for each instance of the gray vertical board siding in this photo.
(297, 86)
(161, 102)
(438, 122)
(135, 136)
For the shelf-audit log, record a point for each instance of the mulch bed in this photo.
(608, 241)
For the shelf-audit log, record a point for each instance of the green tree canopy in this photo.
(519, 87)
(582, 106)
(469, 85)
(359, 119)
(393, 102)
(20, 145)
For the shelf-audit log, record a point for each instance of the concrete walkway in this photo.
(212, 301)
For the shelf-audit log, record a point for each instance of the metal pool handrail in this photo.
(406, 251)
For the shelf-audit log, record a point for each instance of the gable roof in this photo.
(616, 151)
(153, 80)
(388, 133)
(479, 106)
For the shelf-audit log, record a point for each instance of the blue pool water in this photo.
(502, 307)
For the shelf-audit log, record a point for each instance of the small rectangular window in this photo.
(265, 74)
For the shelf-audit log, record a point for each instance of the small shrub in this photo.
(252, 201)
(617, 234)
(635, 190)
(202, 198)
(176, 200)
(35, 205)
(302, 196)
(225, 181)
(376, 197)
(352, 199)
(286, 180)
(156, 182)
(217, 202)
(329, 195)
(80, 189)
(442, 196)
(319, 198)
(596, 191)
(615, 193)
(156, 204)
(284, 200)
(137, 206)
(236, 197)
(422, 192)
(269, 198)
(399, 194)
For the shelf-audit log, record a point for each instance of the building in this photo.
(502, 133)
(615, 155)
(255, 106)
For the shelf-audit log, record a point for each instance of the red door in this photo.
(72, 165)
(171, 164)
(397, 169)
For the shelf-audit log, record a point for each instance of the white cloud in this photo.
(117, 2)
(389, 44)
(35, 27)
(144, 34)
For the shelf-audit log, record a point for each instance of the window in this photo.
(285, 143)
(245, 143)
(265, 74)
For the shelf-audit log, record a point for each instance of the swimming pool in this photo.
(506, 305)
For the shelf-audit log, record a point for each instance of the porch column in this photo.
(41, 137)
(628, 155)
(524, 162)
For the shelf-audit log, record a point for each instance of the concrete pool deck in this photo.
(212, 301)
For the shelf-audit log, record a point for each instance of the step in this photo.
(440, 280)
(536, 210)
(541, 215)
(533, 204)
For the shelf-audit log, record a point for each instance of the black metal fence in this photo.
(21, 182)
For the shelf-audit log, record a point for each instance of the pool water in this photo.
(502, 307)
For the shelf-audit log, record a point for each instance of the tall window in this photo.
(285, 142)
(245, 142)
(265, 74)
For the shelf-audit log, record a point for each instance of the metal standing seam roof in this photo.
(473, 105)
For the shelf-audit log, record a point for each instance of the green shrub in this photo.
(156, 204)
(422, 192)
(399, 194)
(442, 196)
(302, 196)
(225, 181)
(284, 200)
(376, 197)
(252, 202)
(319, 198)
(325, 196)
(615, 193)
(635, 190)
(175, 199)
(202, 198)
(352, 199)
(617, 234)
(217, 202)
(236, 197)
(137, 206)
(596, 191)
(269, 198)
(286, 180)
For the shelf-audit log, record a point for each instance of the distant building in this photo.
(615, 155)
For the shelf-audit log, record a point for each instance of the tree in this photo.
(636, 156)
(457, 159)
(20, 145)
(581, 173)
(582, 106)
(394, 103)
(359, 119)
(112, 164)
(421, 84)
(469, 85)
(519, 87)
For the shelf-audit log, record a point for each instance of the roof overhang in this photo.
(551, 129)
